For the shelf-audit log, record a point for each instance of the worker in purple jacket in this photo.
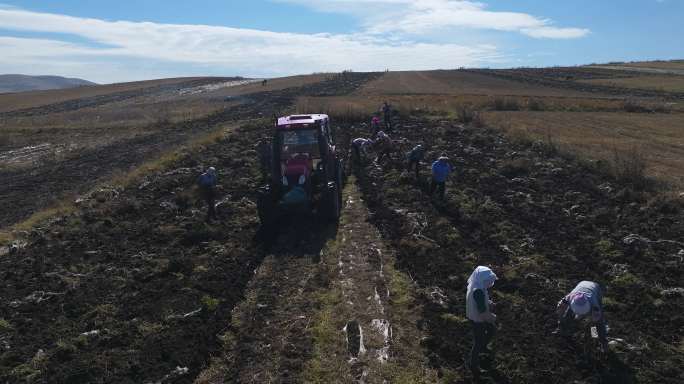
(584, 301)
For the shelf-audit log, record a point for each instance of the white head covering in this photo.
(481, 278)
(211, 171)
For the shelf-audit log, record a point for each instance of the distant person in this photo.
(207, 187)
(264, 82)
(387, 114)
(263, 149)
(415, 156)
(360, 150)
(584, 301)
(479, 311)
(440, 172)
(375, 125)
(383, 145)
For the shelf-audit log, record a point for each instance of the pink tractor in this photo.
(306, 171)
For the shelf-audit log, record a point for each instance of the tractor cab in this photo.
(306, 172)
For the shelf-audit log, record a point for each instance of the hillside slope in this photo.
(22, 83)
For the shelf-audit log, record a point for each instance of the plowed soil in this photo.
(543, 223)
(134, 287)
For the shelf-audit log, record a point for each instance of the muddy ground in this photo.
(543, 223)
(24, 192)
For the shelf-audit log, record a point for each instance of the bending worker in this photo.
(479, 312)
(415, 157)
(585, 301)
(360, 149)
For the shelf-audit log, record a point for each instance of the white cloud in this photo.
(426, 16)
(128, 50)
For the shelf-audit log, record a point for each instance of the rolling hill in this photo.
(21, 83)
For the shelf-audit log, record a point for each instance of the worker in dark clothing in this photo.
(479, 311)
(440, 172)
(415, 157)
(207, 186)
(387, 115)
(263, 148)
(584, 301)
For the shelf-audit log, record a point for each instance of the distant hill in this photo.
(21, 83)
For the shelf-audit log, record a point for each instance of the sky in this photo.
(128, 40)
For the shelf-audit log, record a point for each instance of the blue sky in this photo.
(126, 40)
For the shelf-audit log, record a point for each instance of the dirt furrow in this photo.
(372, 303)
(331, 309)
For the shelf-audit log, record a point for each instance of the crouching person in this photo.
(207, 187)
(585, 301)
(479, 312)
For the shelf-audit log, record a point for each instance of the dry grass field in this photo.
(455, 82)
(593, 125)
(672, 64)
(13, 101)
(671, 83)
(658, 138)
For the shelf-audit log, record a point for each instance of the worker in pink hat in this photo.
(375, 125)
(583, 302)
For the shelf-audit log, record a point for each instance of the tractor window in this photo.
(299, 141)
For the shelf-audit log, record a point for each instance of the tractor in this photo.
(306, 171)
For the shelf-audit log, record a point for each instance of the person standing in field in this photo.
(207, 187)
(387, 114)
(479, 311)
(584, 301)
(440, 172)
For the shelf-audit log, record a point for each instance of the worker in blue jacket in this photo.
(207, 187)
(440, 172)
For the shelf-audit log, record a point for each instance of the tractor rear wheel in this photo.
(330, 209)
(266, 206)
